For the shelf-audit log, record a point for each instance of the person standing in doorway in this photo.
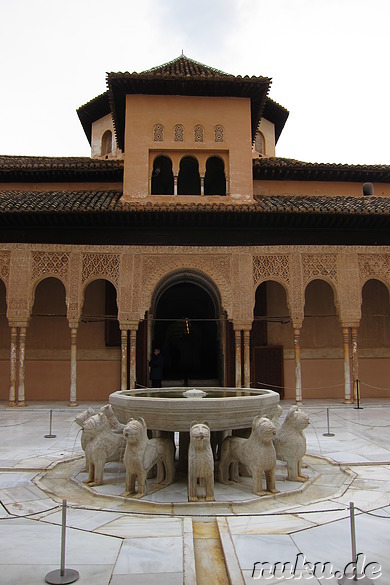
(156, 365)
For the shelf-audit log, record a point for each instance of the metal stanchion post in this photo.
(328, 434)
(358, 395)
(50, 435)
(354, 576)
(62, 576)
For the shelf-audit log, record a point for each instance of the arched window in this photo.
(106, 143)
(218, 133)
(162, 176)
(259, 143)
(215, 180)
(188, 182)
(158, 133)
(198, 133)
(179, 133)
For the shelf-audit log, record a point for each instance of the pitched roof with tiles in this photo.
(26, 168)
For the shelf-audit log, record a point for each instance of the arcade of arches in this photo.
(188, 178)
(78, 324)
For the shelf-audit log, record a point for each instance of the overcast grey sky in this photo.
(329, 61)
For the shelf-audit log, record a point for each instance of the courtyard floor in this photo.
(165, 540)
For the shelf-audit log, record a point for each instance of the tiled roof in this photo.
(92, 111)
(14, 202)
(276, 168)
(184, 67)
(19, 168)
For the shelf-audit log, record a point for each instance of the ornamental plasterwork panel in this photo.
(50, 264)
(349, 290)
(74, 300)
(158, 133)
(179, 133)
(18, 302)
(218, 133)
(198, 133)
(319, 266)
(271, 267)
(374, 266)
(5, 258)
(158, 267)
(101, 266)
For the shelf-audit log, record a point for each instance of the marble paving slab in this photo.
(150, 555)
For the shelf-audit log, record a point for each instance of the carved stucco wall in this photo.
(136, 273)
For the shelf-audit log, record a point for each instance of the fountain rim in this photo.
(140, 393)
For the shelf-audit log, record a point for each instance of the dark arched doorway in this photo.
(162, 176)
(187, 331)
(215, 180)
(188, 182)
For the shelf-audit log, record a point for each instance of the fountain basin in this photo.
(165, 409)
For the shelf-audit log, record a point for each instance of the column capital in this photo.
(350, 324)
(73, 323)
(242, 325)
(129, 325)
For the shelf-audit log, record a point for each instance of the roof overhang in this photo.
(122, 84)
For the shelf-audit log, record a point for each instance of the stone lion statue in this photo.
(200, 463)
(102, 446)
(142, 453)
(290, 442)
(80, 420)
(257, 453)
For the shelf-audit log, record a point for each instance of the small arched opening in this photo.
(271, 335)
(215, 180)
(374, 339)
(48, 342)
(162, 176)
(188, 182)
(98, 338)
(321, 343)
(106, 143)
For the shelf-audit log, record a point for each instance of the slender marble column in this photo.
(12, 366)
(133, 341)
(237, 340)
(175, 177)
(73, 367)
(202, 185)
(222, 324)
(355, 362)
(124, 359)
(247, 366)
(22, 350)
(347, 373)
(298, 371)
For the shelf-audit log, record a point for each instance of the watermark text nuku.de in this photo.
(301, 568)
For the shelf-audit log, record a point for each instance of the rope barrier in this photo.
(362, 424)
(172, 515)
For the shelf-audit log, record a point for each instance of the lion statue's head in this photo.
(263, 428)
(296, 418)
(96, 424)
(135, 431)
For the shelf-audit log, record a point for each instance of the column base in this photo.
(348, 401)
(21, 403)
(72, 404)
(12, 403)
